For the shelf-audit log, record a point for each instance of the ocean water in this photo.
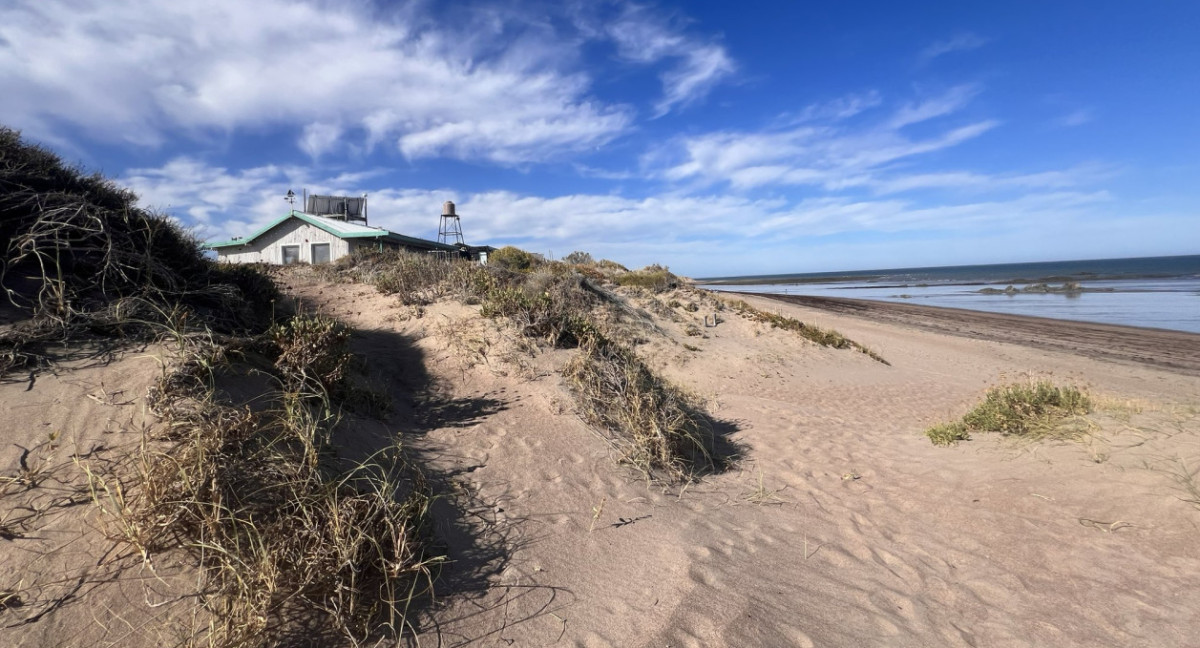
(1155, 292)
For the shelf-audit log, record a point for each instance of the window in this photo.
(291, 254)
(320, 253)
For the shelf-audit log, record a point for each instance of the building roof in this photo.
(340, 229)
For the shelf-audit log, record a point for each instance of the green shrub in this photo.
(1034, 410)
(948, 433)
(655, 278)
(1026, 409)
(511, 258)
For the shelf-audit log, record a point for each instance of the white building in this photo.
(304, 238)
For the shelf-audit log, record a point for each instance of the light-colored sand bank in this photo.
(840, 525)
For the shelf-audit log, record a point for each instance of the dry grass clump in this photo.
(656, 427)
(546, 300)
(823, 337)
(289, 538)
(416, 279)
(82, 260)
(1034, 410)
(552, 307)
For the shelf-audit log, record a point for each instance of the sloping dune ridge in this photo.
(838, 524)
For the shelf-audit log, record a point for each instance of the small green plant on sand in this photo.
(945, 434)
(1035, 410)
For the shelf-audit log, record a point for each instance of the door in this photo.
(291, 254)
(320, 253)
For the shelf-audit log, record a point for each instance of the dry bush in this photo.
(656, 427)
(289, 538)
(82, 260)
(578, 257)
(823, 337)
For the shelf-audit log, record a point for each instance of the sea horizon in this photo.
(1150, 292)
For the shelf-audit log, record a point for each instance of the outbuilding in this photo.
(305, 238)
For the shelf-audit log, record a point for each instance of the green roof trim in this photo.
(317, 221)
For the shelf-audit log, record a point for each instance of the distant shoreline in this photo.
(1174, 350)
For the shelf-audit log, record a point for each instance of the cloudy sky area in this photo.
(719, 138)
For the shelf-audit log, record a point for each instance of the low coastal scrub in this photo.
(416, 279)
(654, 278)
(81, 261)
(515, 259)
(656, 427)
(292, 543)
(823, 337)
(289, 537)
(1034, 410)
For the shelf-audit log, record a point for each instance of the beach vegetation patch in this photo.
(81, 260)
(824, 337)
(288, 536)
(513, 258)
(655, 278)
(578, 258)
(1034, 410)
(948, 433)
(656, 427)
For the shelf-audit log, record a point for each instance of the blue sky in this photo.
(718, 138)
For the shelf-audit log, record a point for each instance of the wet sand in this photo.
(1173, 350)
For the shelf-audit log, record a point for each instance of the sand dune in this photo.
(840, 524)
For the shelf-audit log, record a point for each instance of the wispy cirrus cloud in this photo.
(961, 42)
(824, 153)
(697, 65)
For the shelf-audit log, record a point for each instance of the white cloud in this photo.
(962, 42)
(662, 227)
(136, 71)
(944, 104)
(319, 139)
(827, 154)
(699, 66)
(833, 110)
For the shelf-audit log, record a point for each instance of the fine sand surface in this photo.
(839, 525)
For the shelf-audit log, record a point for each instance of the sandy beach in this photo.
(1175, 350)
(839, 523)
